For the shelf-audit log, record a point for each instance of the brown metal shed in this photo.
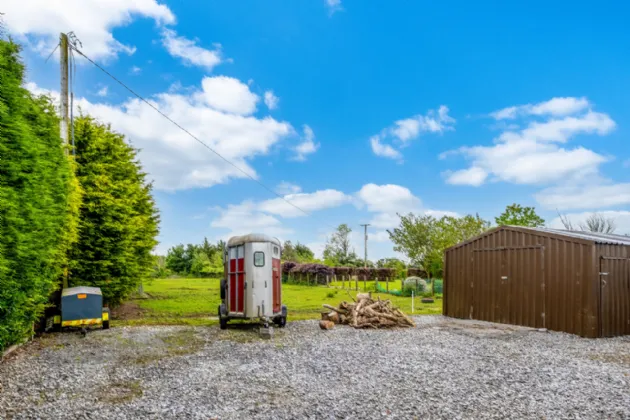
(576, 282)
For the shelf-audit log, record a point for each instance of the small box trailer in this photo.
(80, 307)
(252, 287)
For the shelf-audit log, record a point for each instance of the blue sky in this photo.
(357, 110)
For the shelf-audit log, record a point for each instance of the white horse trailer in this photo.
(252, 287)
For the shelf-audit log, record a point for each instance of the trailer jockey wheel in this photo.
(281, 320)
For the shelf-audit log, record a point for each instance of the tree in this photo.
(39, 199)
(289, 253)
(595, 222)
(304, 253)
(517, 215)
(176, 260)
(338, 251)
(118, 217)
(159, 270)
(423, 239)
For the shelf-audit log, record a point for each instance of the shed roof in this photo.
(599, 238)
(252, 237)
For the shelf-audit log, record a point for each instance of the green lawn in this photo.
(193, 301)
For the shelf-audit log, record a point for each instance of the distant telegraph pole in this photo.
(365, 238)
(63, 67)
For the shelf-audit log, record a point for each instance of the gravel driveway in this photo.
(441, 369)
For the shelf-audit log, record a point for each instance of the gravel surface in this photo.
(441, 369)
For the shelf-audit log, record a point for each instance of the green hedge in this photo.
(36, 184)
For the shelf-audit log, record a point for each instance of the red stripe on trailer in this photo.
(277, 285)
(233, 282)
(240, 306)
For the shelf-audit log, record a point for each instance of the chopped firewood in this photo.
(326, 325)
(366, 312)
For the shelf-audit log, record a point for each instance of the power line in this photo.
(185, 130)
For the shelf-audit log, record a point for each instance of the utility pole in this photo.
(365, 238)
(63, 109)
(63, 67)
(365, 226)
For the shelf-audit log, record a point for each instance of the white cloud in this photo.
(532, 155)
(555, 107)
(389, 198)
(584, 196)
(262, 216)
(434, 122)
(135, 70)
(285, 188)
(102, 92)
(384, 150)
(241, 219)
(271, 100)
(172, 158)
(190, 52)
(621, 218)
(309, 202)
(333, 6)
(307, 146)
(227, 94)
(39, 22)
(472, 176)
(405, 130)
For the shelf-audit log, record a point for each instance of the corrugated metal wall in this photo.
(525, 278)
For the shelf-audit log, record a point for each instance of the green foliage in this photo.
(423, 239)
(414, 284)
(118, 217)
(205, 260)
(159, 269)
(517, 215)
(297, 253)
(37, 198)
(399, 266)
(338, 252)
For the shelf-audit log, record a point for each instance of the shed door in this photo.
(508, 286)
(490, 290)
(615, 296)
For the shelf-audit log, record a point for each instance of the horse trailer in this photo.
(252, 287)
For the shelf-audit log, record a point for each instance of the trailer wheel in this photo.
(223, 319)
(106, 325)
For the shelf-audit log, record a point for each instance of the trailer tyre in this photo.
(280, 321)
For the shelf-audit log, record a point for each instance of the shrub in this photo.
(414, 284)
(438, 286)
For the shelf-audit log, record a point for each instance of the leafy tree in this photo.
(289, 253)
(517, 215)
(38, 201)
(338, 251)
(159, 269)
(118, 217)
(297, 253)
(304, 253)
(177, 260)
(423, 239)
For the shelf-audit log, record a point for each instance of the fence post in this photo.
(412, 301)
(356, 283)
(327, 282)
(387, 283)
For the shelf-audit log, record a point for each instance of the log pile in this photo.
(366, 312)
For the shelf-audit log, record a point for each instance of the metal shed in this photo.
(576, 282)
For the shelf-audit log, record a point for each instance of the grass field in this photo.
(195, 301)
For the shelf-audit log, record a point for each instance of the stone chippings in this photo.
(443, 368)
